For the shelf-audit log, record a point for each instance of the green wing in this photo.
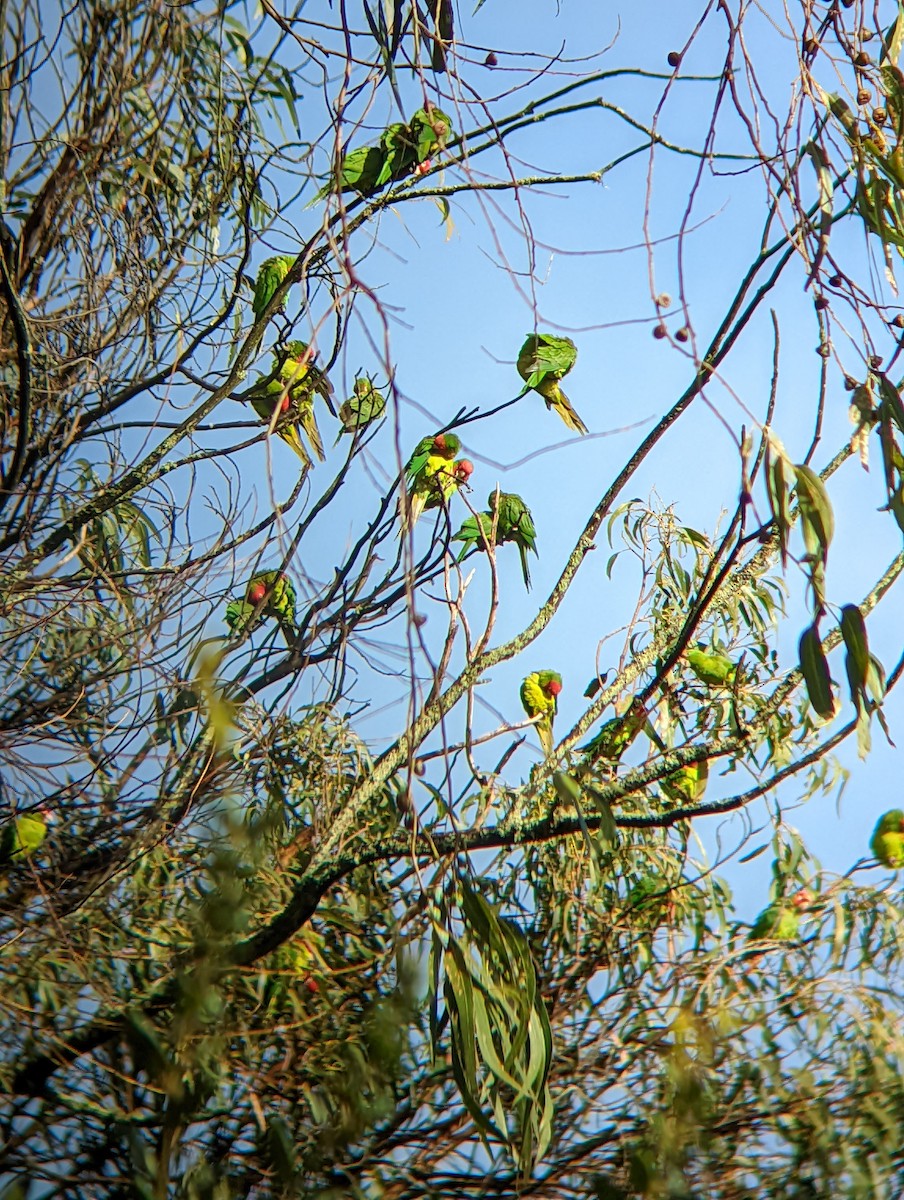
(543, 356)
(21, 837)
(273, 271)
(362, 408)
(470, 533)
(715, 670)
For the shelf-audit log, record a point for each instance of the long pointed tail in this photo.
(525, 570)
(290, 436)
(557, 400)
(309, 425)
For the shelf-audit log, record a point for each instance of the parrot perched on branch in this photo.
(292, 394)
(616, 735)
(401, 150)
(513, 523)
(22, 836)
(780, 922)
(887, 842)
(362, 408)
(433, 475)
(539, 698)
(268, 594)
(715, 670)
(271, 274)
(544, 360)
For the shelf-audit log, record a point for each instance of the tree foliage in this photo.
(314, 916)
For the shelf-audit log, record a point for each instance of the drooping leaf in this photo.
(815, 669)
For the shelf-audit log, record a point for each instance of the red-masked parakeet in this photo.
(273, 271)
(362, 408)
(430, 473)
(292, 392)
(715, 670)
(22, 836)
(780, 922)
(268, 594)
(887, 842)
(429, 129)
(542, 362)
(539, 698)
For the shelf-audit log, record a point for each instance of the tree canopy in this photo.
(451, 495)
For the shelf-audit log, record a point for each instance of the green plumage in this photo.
(687, 784)
(271, 274)
(542, 362)
(401, 149)
(780, 922)
(362, 408)
(431, 475)
(22, 836)
(777, 923)
(476, 533)
(715, 670)
(513, 523)
(539, 698)
(616, 735)
(359, 171)
(268, 594)
(887, 842)
(292, 392)
(442, 445)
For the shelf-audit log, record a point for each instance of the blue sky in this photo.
(458, 301)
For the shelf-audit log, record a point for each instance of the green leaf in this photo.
(815, 671)
(815, 508)
(853, 630)
(777, 488)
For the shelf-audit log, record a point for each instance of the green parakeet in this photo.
(22, 836)
(542, 362)
(780, 922)
(443, 445)
(361, 409)
(292, 392)
(359, 171)
(687, 784)
(268, 594)
(515, 524)
(429, 130)
(271, 274)
(476, 532)
(616, 736)
(887, 842)
(432, 475)
(715, 670)
(539, 697)
(439, 483)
